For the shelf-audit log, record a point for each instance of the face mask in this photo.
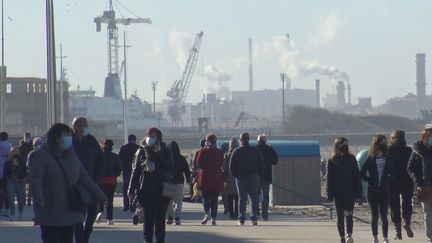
(344, 149)
(86, 131)
(150, 141)
(67, 142)
(430, 140)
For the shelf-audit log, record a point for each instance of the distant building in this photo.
(404, 106)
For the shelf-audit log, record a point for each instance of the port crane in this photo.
(180, 88)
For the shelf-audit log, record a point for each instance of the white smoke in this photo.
(327, 31)
(215, 80)
(289, 58)
(182, 43)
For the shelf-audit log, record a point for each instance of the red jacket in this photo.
(210, 178)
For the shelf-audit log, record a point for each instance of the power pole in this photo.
(3, 73)
(154, 84)
(125, 111)
(282, 77)
(61, 85)
(51, 65)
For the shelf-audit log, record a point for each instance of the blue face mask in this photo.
(86, 131)
(430, 140)
(67, 142)
(150, 141)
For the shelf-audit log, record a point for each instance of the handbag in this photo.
(424, 194)
(79, 198)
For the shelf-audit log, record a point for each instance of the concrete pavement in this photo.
(280, 228)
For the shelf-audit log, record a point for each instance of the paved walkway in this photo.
(280, 228)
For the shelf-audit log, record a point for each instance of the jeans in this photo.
(210, 203)
(427, 210)
(378, 203)
(16, 188)
(233, 209)
(264, 190)
(155, 207)
(344, 211)
(177, 201)
(395, 204)
(109, 192)
(82, 233)
(248, 185)
(4, 202)
(126, 179)
(50, 234)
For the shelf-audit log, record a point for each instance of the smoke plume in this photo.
(182, 43)
(215, 80)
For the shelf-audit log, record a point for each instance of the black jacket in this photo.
(245, 161)
(145, 183)
(112, 166)
(25, 148)
(18, 171)
(180, 165)
(420, 165)
(270, 158)
(90, 154)
(371, 167)
(126, 155)
(343, 178)
(398, 168)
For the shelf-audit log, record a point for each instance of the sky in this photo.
(370, 43)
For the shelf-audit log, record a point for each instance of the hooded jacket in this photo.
(400, 156)
(343, 178)
(420, 165)
(270, 159)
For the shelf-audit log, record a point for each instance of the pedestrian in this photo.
(91, 156)
(247, 165)
(377, 165)
(210, 178)
(195, 172)
(420, 170)
(343, 186)
(401, 185)
(224, 147)
(230, 188)
(5, 147)
(151, 167)
(25, 147)
(126, 154)
(54, 167)
(270, 159)
(15, 173)
(38, 143)
(180, 171)
(108, 181)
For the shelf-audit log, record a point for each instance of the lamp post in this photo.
(2, 76)
(51, 65)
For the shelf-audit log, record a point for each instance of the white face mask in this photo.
(150, 141)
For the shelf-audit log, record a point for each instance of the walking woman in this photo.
(210, 179)
(151, 167)
(401, 185)
(54, 167)
(180, 171)
(230, 189)
(108, 181)
(420, 170)
(377, 165)
(343, 186)
(15, 173)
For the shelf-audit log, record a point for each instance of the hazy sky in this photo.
(373, 41)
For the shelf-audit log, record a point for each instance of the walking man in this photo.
(246, 165)
(126, 154)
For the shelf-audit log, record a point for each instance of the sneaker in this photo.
(205, 219)
(170, 220)
(254, 222)
(398, 237)
(110, 222)
(177, 221)
(349, 239)
(240, 222)
(375, 241)
(214, 222)
(98, 218)
(135, 219)
(385, 240)
(409, 231)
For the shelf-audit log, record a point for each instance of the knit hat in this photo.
(156, 131)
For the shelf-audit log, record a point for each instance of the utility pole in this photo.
(282, 77)
(154, 84)
(61, 85)
(3, 74)
(125, 111)
(51, 65)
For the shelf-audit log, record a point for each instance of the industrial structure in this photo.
(180, 88)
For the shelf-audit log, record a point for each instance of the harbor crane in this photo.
(112, 81)
(180, 88)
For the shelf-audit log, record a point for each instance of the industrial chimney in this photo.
(317, 92)
(421, 81)
(250, 65)
(340, 93)
(349, 93)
